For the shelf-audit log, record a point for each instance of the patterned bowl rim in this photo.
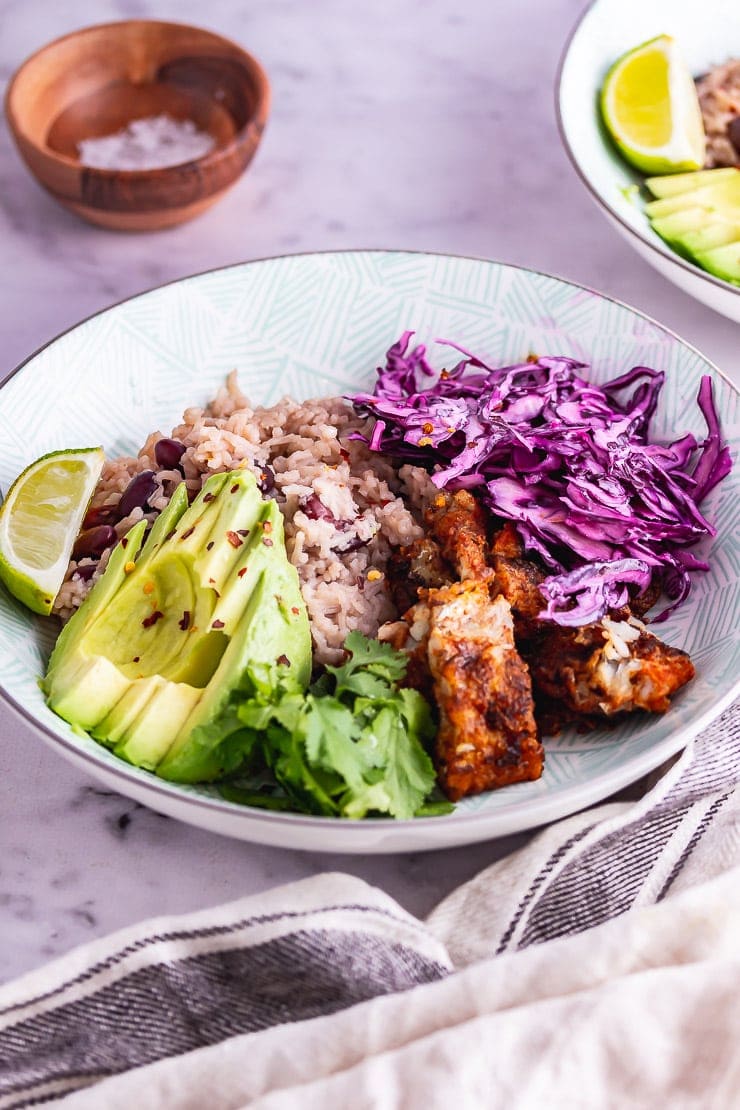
(567, 801)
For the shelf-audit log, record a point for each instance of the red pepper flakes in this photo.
(233, 539)
(124, 543)
(343, 453)
(184, 623)
(295, 610)
(217, 624)
(242, 532)
(211, 581)
(427, 428)
(136, 659)
(169, 535)
(152, 619)
(283, 660)
(188, 532)
(241, 573)
(444, 375)
(209, 497)
(267, 541)
(209, 545)
(234, 488)
(148, 587)
(267, 526)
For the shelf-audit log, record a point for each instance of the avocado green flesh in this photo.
(679, 223)
(173, 625)
(724, 261)
(701, 220)
(721, 199)
(673, 184)
(711, 236)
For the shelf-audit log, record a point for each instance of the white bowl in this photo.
(320, 324)
(708, 34)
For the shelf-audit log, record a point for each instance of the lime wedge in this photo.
(651, 109)
(39, 522)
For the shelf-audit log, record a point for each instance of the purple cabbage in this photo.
(568, 461)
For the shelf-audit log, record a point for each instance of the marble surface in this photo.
(420, 124)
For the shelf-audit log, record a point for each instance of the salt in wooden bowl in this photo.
(96, 81)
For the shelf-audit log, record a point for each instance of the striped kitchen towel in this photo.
(598, 966)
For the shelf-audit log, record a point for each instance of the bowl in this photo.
(96, 81)
(317, 325)
(707, 36)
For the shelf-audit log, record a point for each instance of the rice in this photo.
(343, 505)
(719, 97)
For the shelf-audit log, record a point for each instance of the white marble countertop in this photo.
(420, 124)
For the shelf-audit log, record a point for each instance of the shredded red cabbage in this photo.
(569, 461)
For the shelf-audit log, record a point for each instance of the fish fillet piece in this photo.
(614, 666)
(458, 523)
(487, 735)
(415, 567)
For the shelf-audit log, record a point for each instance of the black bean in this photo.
(733, 133)
(102, 514)
(168, 453)
(266, 479)
(137, 492)
(353, 545)
(93, 541)
(86, 572)
(315, 509)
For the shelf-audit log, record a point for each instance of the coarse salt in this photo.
(147, 144)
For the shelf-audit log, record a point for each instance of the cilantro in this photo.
(372, 668)
(353, 745)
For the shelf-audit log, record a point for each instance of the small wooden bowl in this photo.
(95, 81)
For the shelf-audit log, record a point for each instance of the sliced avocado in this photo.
(715, 234)
(173, 625)
(721, 198)
(670, 185)
(688, 219)
(723, 262)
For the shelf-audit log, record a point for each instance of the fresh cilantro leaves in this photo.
(353, 745)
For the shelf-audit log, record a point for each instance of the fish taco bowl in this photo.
(272, 440)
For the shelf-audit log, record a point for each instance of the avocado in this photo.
(723, 262)
(720, 198)
(698, 215)
(670, 185)
(714, 234)
(176, 622)
(677, 223)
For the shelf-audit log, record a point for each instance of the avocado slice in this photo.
(715, 234)
(670, 185)
(723, 262)
(176, 622)
(721, 198)
(678, 223)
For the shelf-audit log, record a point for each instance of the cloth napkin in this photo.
(597, 967)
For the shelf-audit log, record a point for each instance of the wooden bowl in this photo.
(95, 81)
